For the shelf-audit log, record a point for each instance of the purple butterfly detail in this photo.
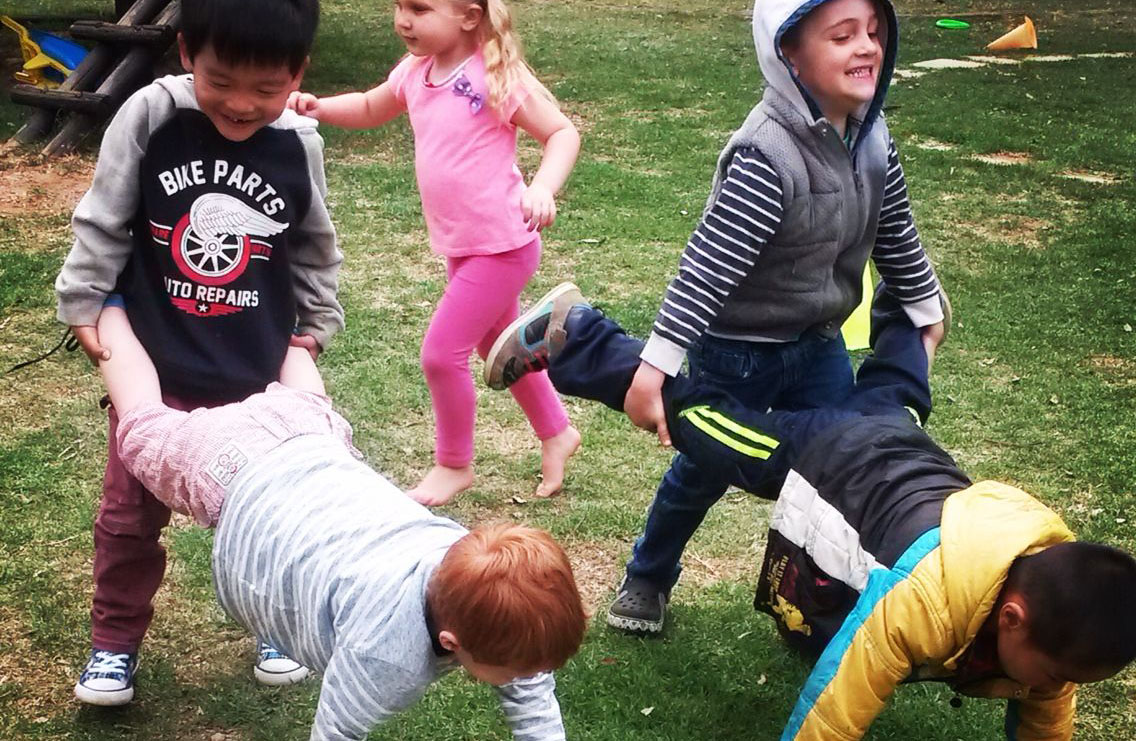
(464, 88)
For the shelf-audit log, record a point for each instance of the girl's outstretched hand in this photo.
(305, 104)
(538, 207)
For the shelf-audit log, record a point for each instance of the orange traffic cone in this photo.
(1022, 37)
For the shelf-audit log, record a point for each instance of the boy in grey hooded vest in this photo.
(804, 192)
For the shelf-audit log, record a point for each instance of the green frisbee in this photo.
(951, 23)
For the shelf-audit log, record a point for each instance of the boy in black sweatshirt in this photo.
(207, 215)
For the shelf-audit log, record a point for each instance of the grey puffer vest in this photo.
(809, 275)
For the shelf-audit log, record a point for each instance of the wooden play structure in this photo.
(118, 64)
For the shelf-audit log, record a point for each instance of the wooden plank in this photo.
(87, 75)
(117, 86)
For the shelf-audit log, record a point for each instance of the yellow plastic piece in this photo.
(35, 61)
(857, 329)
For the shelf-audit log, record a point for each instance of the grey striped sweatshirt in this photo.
(329, 562)
(727, 242)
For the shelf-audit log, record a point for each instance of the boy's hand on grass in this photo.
(538, 207)
(644, 402)
(932, 337)
(307, 342)
(305, 104)
(88, 337)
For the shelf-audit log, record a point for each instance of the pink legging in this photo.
(480, 300)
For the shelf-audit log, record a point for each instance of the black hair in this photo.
(257, 32)
(1080, 604)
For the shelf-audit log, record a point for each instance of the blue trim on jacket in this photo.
(880, 582)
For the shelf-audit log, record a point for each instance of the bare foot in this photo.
(554, 453)
(441, 485)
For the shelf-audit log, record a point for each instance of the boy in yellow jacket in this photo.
(884, 560)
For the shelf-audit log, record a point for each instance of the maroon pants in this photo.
(129, 560)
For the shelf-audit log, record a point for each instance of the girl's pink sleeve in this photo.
(398, 76)
(517, 99)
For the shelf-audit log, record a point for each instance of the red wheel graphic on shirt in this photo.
(211, 260)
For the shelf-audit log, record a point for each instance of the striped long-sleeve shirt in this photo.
(329, 561)
(727, 242)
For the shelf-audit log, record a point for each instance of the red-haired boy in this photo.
(334, 564)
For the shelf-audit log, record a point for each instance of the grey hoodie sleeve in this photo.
(102, 219)
(316, 257)
(531, 708)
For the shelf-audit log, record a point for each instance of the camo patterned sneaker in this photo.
(274, 668)
(640, 607)
(107, 679)
(526, 345)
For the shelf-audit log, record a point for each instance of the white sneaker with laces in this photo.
(274, 668)
(107, 679)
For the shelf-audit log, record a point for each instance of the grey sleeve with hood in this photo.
(102, 220)
(316, 257)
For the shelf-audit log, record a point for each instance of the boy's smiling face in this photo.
(238, 99)
(836, 54)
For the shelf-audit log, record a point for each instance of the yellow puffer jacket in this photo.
(919, 618)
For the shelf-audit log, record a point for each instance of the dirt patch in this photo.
(933, 144)
(949, 64)
(31, 186)
(598, 568)
(1026, 231)
(1115, 371)
(993, 60)
(703, 571)
(1004, 159)
(1087, 176)
(582, 115)
(907, 74)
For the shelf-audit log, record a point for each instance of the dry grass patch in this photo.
(45, 682)
(948, 64)
(702, 571)
(32, 399)
(1004, 159)
(1087, 176)
(932, 144)
(1114, 370)
(32, 186)
(1013, 229)
(598, 567)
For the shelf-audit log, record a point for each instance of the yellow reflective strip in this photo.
(736, 428)
(696, 420)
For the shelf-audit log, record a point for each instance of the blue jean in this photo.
(811, 372)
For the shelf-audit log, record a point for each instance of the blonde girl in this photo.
(467, 90)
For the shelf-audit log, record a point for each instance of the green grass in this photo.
(1035, 387)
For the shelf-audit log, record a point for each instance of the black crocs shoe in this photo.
(640, 607)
